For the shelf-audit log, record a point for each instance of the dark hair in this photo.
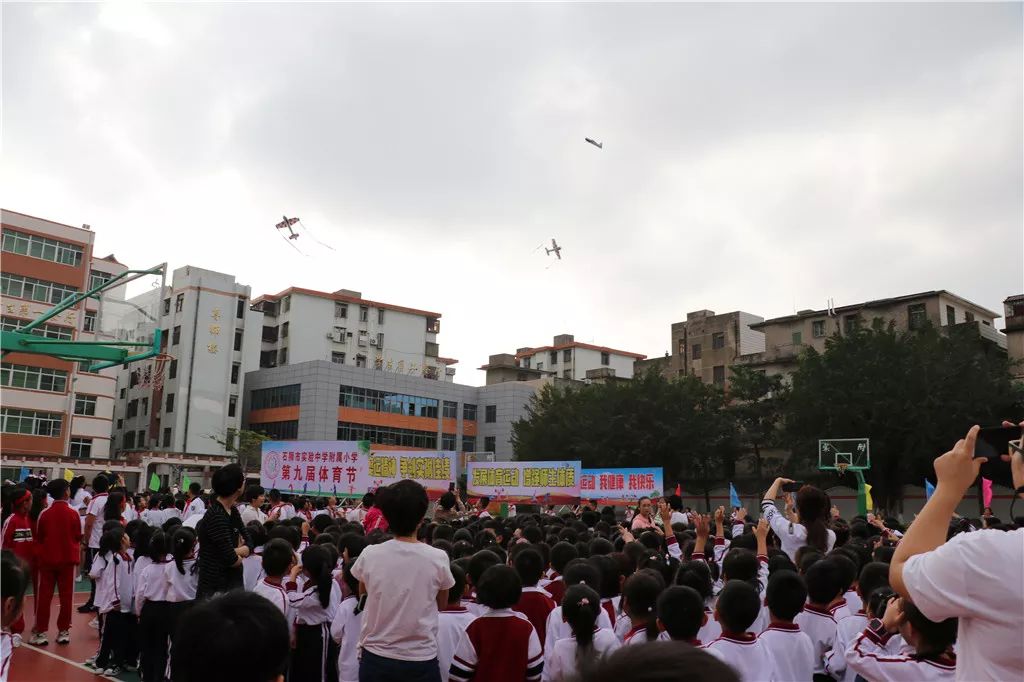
(277, 557)
(316, 560)
(100, 484)
(479, 563)
(600, 547)
(738, 606)
(14, 578)
(110, 542)
(404, 504)
(499, 588)
(228, 480)
(780, 562)
(76, 484)
(274, 494)
(112, 509)
(182, 543)
(257, 533)
(141, 539)
(456, 591)
(170, 524)
(883, 554)
(872, 576)
(447, 501)
(675, 502)
(608, 568)
(681, 612)
(813, 507)
(662, 662)
(195, 489)
(561, 554)
(847, 569)
(808, 560)
(56, 488)
(286, 532)
(824, 582)
(159, 546)
(640, 597)
(529, 564)
(740, 564)
(876, 602)
(581, 607)
(786, 595)
(234, 636)
(252, 492)
(696, 574)
(934, 638)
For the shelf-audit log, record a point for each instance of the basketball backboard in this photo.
(844, 454)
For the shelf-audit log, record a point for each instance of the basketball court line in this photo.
(67, 661)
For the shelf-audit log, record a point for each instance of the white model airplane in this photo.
(555, 249)
(599, 145)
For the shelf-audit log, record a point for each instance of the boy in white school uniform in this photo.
(452, 621)
(823, 587)
(791, 650)
(927, 654)
(873, 576)
(737, 608)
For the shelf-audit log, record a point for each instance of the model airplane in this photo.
(599, 145)
(555, 249)
(287, 224)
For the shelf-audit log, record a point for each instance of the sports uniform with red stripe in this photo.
(536, 605)
(791, 651)
(499, 646)
(820, 626)
(868, 658)
(744, 654)
(17, 537)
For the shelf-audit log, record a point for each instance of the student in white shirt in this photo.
(345, 627)
(249, 508)
(451, 622)
(93, 530)
(975, 577)
(813, 510)
(928, 654)
(791, 650)
(14, 580)
(823, 587)
(873, 576)
(577, 571)
(252, 565)
(588, 645)
(681, 615)
(112, 570)
(80, 497)
(315, 605)
(737, 608)
(153, 608)
(194, 505)
(278, 561)
(279, 509)
(640, 597)
(152, 516)
(357, 514)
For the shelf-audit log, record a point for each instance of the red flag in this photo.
(679, 490)
(986, 491)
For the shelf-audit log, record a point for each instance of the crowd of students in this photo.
(307, 590)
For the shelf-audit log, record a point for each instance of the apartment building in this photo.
(567, 358)
(51, 407)
(786, 337)
(1013, 314)
(320, 400)
(302, 325)
(213, 336)
(706, 345)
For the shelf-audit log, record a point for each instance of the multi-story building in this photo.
(52, 407)
(1013, 314)
(301, 325)
(213, 337)
(786, 337)
(567, 358)
(321, 400)
(706, 345)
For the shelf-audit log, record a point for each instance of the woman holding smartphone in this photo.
(813, 511)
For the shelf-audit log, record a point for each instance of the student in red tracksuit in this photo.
(58, 535)
(17, 537)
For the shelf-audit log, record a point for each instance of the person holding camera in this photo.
(813, 514)
(977, 577)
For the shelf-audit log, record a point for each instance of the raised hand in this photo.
(957, 470)
(703, 524)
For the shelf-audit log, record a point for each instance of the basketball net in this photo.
(842, 468)
(159, 363)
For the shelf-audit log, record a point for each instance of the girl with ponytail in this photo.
(640, 601)
(182, 578)
(315, 607)
(574, 656)
(813, 510)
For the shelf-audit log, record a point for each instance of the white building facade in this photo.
(567, 358)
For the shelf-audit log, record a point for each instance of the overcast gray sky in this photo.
(757, 157)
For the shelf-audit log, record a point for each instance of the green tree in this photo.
(756, 406)
(247, 447)
(913, 393)
(681, 425)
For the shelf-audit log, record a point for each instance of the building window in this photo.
(916, 316)
(141, 439)
(179, 303)
(80, 447)
(232, 405)
(145, 406)
(236, 369)
(850, 323)
(85, 405)
(167, 437)
(553, 358)
(525, 362)
(176, 335)
(286, 304)
(718, 375)
(468, 412)
(337, 358)
(606, 359)
(133, 409)
(386, 401)
(489, 445)
(380, 316)
(120, 424)
(360, 361)
(129, 440)
(172, 372)
(238, 337)
(567, 374)
(121, 394)
(287, 430)
(968, 316)
(818, 328)
(277, 396)
(567, 355)
(364, 337)
(34, 289)
(37, 246)
(950, 315)
(341, 310)
(34, 378)
(433, 325)
(447, 441)
(30, 422)
(798, 338)
(380, 340)
(364, 313)
(490, 414)
(696, 351)
(167, 306)
(387, 435)
(717, 340)
(469, 443)
(284, 335)
(282, 356)
(450, 409)
(49, 331)
(98, 279)
(169, 407)
(540, 366)
(240, 308)
(89, 323)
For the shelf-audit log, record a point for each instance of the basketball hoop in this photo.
(159, 363)
(841, 467)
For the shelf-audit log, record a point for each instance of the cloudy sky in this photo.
(757, 157)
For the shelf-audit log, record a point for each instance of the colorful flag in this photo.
(679, 490)
(734, 498)
(154, 481)
(929, 489)
(23, 473)
(864, 501)
(68, 475)
(186, 482)
(986, 491)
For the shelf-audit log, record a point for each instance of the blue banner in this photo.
(621, 484)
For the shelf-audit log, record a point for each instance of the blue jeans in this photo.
(374, 668)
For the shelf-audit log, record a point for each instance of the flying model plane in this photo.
(599, 145)
(555, 249)
(287, 224)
